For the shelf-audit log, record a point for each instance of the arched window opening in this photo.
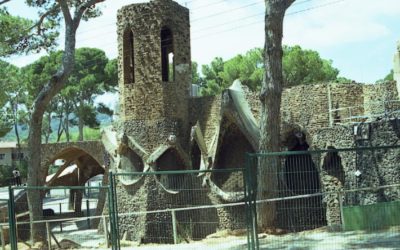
(170, 160)
(167, 55)
(232, 149)
(129, 57)
(301, 174)
(333, 164)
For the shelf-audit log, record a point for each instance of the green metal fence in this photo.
(318, 194)
(178, 207)
(4, 223)
(71, 218)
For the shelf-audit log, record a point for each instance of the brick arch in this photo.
(53, 151)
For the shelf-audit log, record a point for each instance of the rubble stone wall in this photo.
(148, 97)
(377, 167)
(380, 99)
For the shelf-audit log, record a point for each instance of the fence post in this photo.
(11, 219)
(113, 213)
(88, 213)
(48, 235)
(340, 195)
(61, 229)
(105, 231)
(174, 227)
(3, 244)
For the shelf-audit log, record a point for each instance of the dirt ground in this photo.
(309, 240)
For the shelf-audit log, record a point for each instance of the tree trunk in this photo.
(60, 129)
(80, 120)
(35, 172)
(48, 133)
(66, 124)
(270, 96)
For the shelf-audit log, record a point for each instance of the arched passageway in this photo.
(76, 168)
(170, 160)
(231, 154)
(299, 176)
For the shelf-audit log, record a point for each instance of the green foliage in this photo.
(196, 78)
(88, 133)
(10, 96)
(213, 81)
(18, 35)
(306, 67)
(299, 67)
(93, 75)
(6, 174)
(388, 77)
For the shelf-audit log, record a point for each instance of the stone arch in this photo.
(231, 151)
(300, 173)
(89, 160)
(170, 160)
(167, 54)
(130, 162)
(86, 167)
(299, 176)
(128, 56)
(332, 164)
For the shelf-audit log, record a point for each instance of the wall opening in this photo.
(167, 55)
(72, 167)
(332, 164)
(195, 156)
(301, 175)
(231, 154)
(130, 163)
(170, 160)
(129, 57)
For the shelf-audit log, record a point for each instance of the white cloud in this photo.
(343, 22)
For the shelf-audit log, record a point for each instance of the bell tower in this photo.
(154, 66)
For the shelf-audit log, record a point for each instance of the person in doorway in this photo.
(17, 177)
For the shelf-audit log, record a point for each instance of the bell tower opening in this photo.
(129, 57)
(167, 55)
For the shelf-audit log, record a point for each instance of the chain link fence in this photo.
(181, 207)
(334, 198)
(69, 220)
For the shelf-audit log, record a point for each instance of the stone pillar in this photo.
(396, 67)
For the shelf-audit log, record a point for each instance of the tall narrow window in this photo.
(129, 57)
(167, 55)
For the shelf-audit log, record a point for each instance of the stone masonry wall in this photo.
(381, 98)
(377, 167)
(149, 97)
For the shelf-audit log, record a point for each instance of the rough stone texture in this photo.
(377, 167)
(381, 99)
(90, 157)
(156, 113)
(54, 151)
(156, 99)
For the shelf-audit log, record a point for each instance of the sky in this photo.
(359, 36)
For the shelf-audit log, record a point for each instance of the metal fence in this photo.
(69, 218)
(179, 207)
(335, 198)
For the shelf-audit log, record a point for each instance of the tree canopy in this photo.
(300, 66)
